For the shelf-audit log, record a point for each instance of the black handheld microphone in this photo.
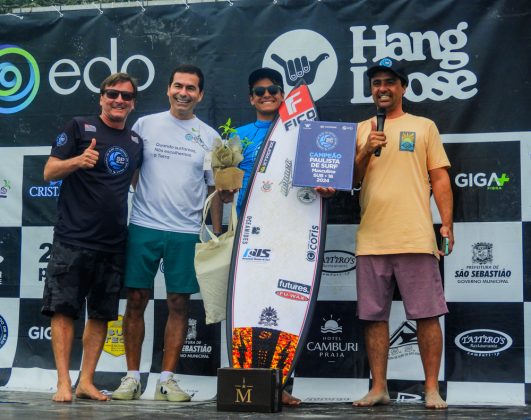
(380, 119)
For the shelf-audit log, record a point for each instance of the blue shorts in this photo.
(145, 249)
(418, 279)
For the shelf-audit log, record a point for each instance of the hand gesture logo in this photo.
(299, 68)
(306, 55)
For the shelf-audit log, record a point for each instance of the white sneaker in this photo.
(170, 391)
(129, 389)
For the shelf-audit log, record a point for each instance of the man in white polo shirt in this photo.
(165, 222)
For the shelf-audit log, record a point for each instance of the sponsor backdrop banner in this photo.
(464, 75)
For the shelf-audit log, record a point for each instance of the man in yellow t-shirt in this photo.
(396, 239)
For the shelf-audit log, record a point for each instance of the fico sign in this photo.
(64, 76)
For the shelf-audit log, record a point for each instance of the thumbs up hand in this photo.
(88, 159)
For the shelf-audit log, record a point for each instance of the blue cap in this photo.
(386, 64)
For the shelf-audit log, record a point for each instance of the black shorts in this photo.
(75, 274)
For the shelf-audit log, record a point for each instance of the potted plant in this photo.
(226, 155)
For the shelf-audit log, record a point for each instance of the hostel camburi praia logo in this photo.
(19, 79)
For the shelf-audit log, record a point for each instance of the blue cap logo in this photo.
(386, 62)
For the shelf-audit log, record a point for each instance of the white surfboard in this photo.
(278, 249)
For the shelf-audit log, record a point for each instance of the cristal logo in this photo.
(483, 341)
(16, 92)
(492, 181)
(451, 81)
(303, 54)
(338, 261)
(51, 190)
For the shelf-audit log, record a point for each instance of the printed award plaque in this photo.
(325, 155)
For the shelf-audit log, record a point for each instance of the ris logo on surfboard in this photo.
(257, 254)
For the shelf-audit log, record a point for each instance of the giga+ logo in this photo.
(18, 83)
(492, 181)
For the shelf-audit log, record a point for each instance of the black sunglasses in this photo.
(260, 90)
(113, 94)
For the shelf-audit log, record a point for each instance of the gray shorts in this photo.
(75, 274)
(418, 279)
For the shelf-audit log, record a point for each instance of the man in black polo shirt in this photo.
(97, 158)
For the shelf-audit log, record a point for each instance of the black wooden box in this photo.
(249, 390)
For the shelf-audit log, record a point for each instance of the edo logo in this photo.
(116, 160)
(4, 333)
(19, 83)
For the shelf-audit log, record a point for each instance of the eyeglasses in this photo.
(272, 89)
(113, 94)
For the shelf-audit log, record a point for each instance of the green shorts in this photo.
(146, 247)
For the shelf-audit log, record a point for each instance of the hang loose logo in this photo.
(299, 68)
(303, 54)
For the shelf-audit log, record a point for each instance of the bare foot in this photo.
(90, 392)
(433, 400)
(63, 394)
(288, 399)
(373, 398)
